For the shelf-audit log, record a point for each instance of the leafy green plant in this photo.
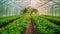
(44, 26)
(8, 19)
(17, 27)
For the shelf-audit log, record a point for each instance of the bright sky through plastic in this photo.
(14, 6)
(35, 4)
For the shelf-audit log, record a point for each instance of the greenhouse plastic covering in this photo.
(14, 7)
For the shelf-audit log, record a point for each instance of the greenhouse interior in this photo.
(29, 16)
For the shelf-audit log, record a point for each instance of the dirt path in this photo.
(30, 28)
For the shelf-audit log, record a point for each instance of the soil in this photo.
(30, 27)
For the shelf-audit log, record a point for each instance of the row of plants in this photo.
(9, 19)
(44, 26)
(52, 18)
(16, 27)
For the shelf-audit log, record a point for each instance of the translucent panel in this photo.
(11, 7)
(57, 1)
